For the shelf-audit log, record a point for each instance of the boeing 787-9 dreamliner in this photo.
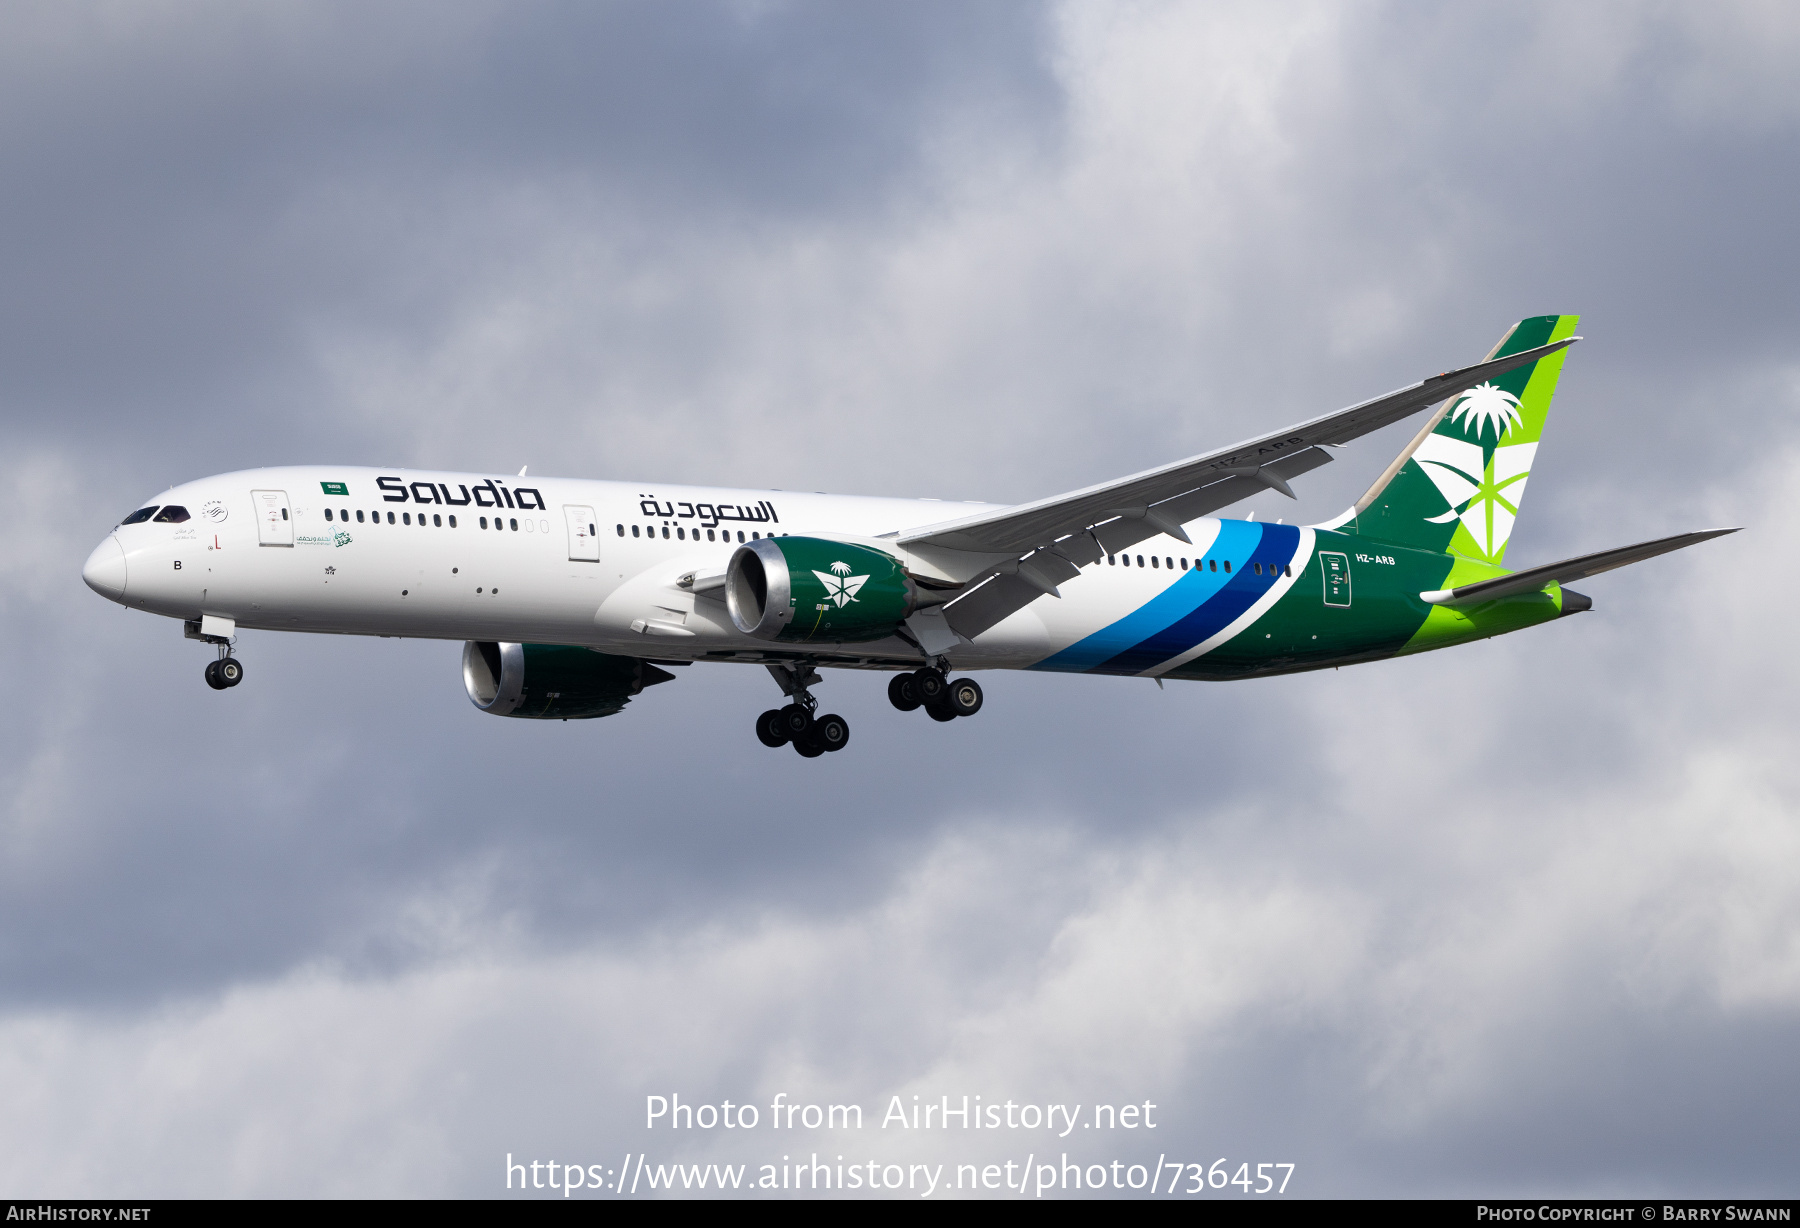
(572, 596)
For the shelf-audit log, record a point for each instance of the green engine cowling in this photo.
(810, 590)
(552, 682)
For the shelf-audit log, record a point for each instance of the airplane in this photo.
(571, 596)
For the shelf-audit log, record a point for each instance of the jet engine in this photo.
(551, 681)
(810, 590)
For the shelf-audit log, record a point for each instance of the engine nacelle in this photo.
(809, 590)
(552, 682)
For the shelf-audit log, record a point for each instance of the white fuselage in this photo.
(402, 554)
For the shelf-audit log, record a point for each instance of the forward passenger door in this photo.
(584, 538)
(274, 522)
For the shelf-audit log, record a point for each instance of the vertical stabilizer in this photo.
(1457, 487)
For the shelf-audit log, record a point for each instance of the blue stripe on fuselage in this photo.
(1238, 542)
(1275, 549)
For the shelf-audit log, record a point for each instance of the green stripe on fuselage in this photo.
(1385, 617)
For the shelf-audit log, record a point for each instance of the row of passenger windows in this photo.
(343, 514)
(1113, 560)
(437, 520)
(508, 523)
(681, 534)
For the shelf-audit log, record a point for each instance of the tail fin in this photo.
(1458, 485)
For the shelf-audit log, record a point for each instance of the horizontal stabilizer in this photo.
(1535, 578)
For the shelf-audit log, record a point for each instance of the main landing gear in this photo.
(812, 736)
(942, 700)
(795, 724)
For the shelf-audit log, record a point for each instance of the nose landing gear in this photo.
(795, 724)
(227, 671)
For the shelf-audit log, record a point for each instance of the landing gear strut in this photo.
(795, 724)
(225, 672)
(942, 700)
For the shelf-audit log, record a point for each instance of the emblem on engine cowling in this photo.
(815, 590)
(841, 588)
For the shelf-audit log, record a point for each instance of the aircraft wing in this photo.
(1052, 539)
(1535, 578)
(1244, 468)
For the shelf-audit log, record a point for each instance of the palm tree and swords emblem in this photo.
(1485, 504)
(840, 586)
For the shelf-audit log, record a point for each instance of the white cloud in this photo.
(1429, 894)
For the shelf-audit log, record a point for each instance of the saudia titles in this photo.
(484, 494)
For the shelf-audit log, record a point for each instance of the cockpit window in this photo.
(140, 516)
(172, 514)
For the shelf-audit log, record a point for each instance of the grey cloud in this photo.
(1504, 919)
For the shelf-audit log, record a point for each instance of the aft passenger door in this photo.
(274, 523)
(584, 540)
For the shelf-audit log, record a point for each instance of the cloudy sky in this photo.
(1520, 918)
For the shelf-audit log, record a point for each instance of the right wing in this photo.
(1050, 540)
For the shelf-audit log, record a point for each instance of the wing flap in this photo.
(989, 605)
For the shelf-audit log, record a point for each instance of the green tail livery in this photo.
(1415, 564)
(571, 594)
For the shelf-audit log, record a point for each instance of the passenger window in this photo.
(139, 516)
(634, 530)
(621, 530)
(453, 522)
(515, 525)
(709, 535)
(1258, 567)
(665, 532)
(680, 534)
(328, 513)
(1213, 564)
(755, 536)
(1227, 564)
(390, 518)
(740, 535)
(437, 521)
(359, 518)
(1153, 561)
(183, 511)
(484, 522)
(1169, 563)
(1288, 571)
(1140, 559)
(406, 517)
(1184, 565)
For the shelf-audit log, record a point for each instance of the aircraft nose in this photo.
(105, 569)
